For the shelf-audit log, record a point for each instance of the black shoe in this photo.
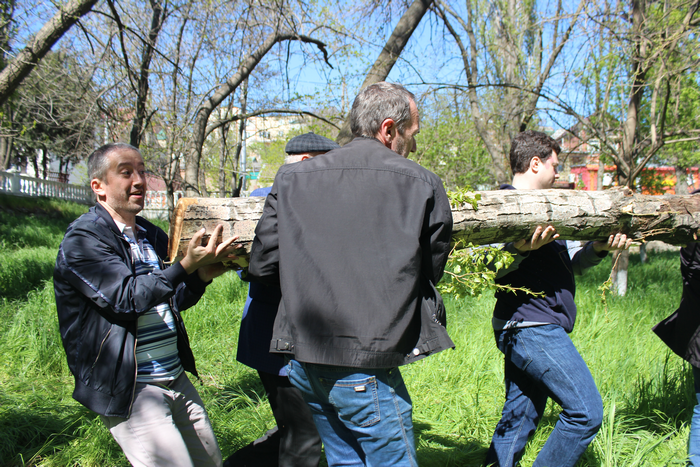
(263, 452)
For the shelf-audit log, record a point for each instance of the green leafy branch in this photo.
(471, 270)
(606, 287)
(463, 196)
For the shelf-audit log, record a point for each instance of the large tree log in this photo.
(501, 216)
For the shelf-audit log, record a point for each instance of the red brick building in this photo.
(580, 164)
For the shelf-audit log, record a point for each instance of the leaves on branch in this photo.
(471, 270)
(463, 196)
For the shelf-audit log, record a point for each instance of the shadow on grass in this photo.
(31, 433)
(239, 393)
(662, 402)
(436, 450)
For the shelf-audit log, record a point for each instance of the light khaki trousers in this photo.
(168, 426)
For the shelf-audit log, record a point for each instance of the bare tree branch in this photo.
(18, 69)
(390, 53)
(217, 124)
(208, 105)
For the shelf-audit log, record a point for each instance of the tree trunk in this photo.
(501, 216)
(6, 152)
(203, 191)
(621, 260)
(35, 165)
(681, 181)
(170, 198)
(514, 24)
(223, 157)
(237, 178)
(389, 54)
(137, 126)
(18, 68)
(45, 163)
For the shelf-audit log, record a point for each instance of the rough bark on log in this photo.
(239, 216)
(511, 215)
(501, 216)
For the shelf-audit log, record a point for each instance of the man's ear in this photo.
(386, 132)
(535, 164)
(97, 186)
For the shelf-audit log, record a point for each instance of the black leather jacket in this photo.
(681, 330)
(357, 238)
(99, 298)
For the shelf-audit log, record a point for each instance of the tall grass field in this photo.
(457, 394)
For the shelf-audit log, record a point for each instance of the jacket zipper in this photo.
(101, 347)
(136, 339)
(136, 374)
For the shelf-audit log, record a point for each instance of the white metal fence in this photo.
(17, 184)
(156, 206)
(13, 183)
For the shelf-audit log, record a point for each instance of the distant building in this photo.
(580, 166)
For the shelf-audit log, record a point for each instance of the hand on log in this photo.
(540, 237)
(207, 257)
(615, 242)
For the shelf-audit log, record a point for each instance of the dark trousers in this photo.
(294, 442)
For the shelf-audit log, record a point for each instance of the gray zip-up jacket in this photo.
(357, 238)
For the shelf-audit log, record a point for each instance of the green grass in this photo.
(30, 232)
(457, 394)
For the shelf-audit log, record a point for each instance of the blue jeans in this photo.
(362, 415)
(542, 362)
(694, 439)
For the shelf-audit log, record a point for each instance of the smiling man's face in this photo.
(123, 190)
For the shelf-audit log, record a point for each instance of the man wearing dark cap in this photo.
(295, 440)
(304, 146)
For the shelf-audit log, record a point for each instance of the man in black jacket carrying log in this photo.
(358, 238)
(681, 332)
(119, 316)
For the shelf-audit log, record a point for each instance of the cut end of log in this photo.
(176, 226)
(239, 217)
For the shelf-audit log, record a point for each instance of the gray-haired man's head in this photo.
(376, 103)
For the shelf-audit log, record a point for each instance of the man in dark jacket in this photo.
(295, 441)
(357, 239)
(119, 317)
(532, 331)
(681, 332)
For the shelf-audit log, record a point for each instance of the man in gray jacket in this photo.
(357, 239)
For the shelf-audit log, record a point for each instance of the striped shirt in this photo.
(157, 358)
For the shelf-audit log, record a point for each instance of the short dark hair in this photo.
(529, 144)
(98, 163)
(376, 103)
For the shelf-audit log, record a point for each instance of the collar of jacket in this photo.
(366, 141)
(151, 230)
